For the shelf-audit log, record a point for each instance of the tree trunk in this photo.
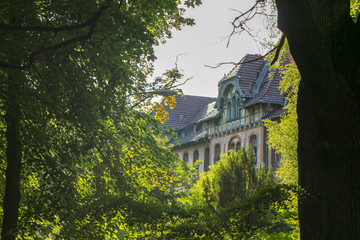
(13, 169)
(324, 42)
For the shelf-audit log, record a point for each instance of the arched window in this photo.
(195, 156)
(217, 153)
(238, 146)
(232, 146)
(253, 141)
(206, 159)
(186, 158)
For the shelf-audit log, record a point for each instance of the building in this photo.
(206, 127)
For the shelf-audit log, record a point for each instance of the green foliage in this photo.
(233, 178)
(91, 165)
(283, 134)
(232, 201)
(354, 9)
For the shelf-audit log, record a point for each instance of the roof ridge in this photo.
(188, 95)
(235, 70)
(260, 78)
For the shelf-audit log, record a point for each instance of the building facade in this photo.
(206, 127)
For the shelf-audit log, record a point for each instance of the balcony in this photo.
(242, 122)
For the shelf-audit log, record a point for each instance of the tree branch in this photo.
(180, 84)
(44, 50)
(278, 48)
(85, 37)
(244, 62)
(89, 22)
(241, 20)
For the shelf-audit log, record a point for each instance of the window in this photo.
(232, 146)
(182, 133)
(253, 141)
(252, 115)
(229, 110)
(217, 153)
(277, 160)
(234, 107)
(186, 158)
(195, 156)
(206, 159)
(238, 114)
(238, 146)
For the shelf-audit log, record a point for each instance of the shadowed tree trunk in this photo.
(13, 169)
(325, 43)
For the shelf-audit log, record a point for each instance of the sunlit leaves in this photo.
(354, 9)
(232, 201)
(91, 160)
(283, 134)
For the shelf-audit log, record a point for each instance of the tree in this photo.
(324, 41)
(232, 201)
(67, 69)
(324, 38)
(283, 134)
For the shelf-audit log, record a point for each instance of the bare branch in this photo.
(240, 22)
(183, 83)
(177, 59)
(223, 63)
(278, 48)
(244, 62)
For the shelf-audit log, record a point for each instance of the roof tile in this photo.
(187, 110)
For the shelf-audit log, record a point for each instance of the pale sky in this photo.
(204, 44)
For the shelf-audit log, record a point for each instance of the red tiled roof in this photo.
(247, 72)
(187, 110)
(269, 91)
(254, 82)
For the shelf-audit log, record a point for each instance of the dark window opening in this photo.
(238, 146)
(195, 156)
(217, 153)
(253, 141)
(206, 159)
(186, 158)
(232, 146)
(277, 160)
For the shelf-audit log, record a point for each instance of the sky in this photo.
(205, 44)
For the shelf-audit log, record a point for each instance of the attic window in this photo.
(182, 133)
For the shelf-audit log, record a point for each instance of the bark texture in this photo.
(325, 43)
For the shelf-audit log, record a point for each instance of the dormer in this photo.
(229, 99)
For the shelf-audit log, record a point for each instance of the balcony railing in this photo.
(244, 121)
